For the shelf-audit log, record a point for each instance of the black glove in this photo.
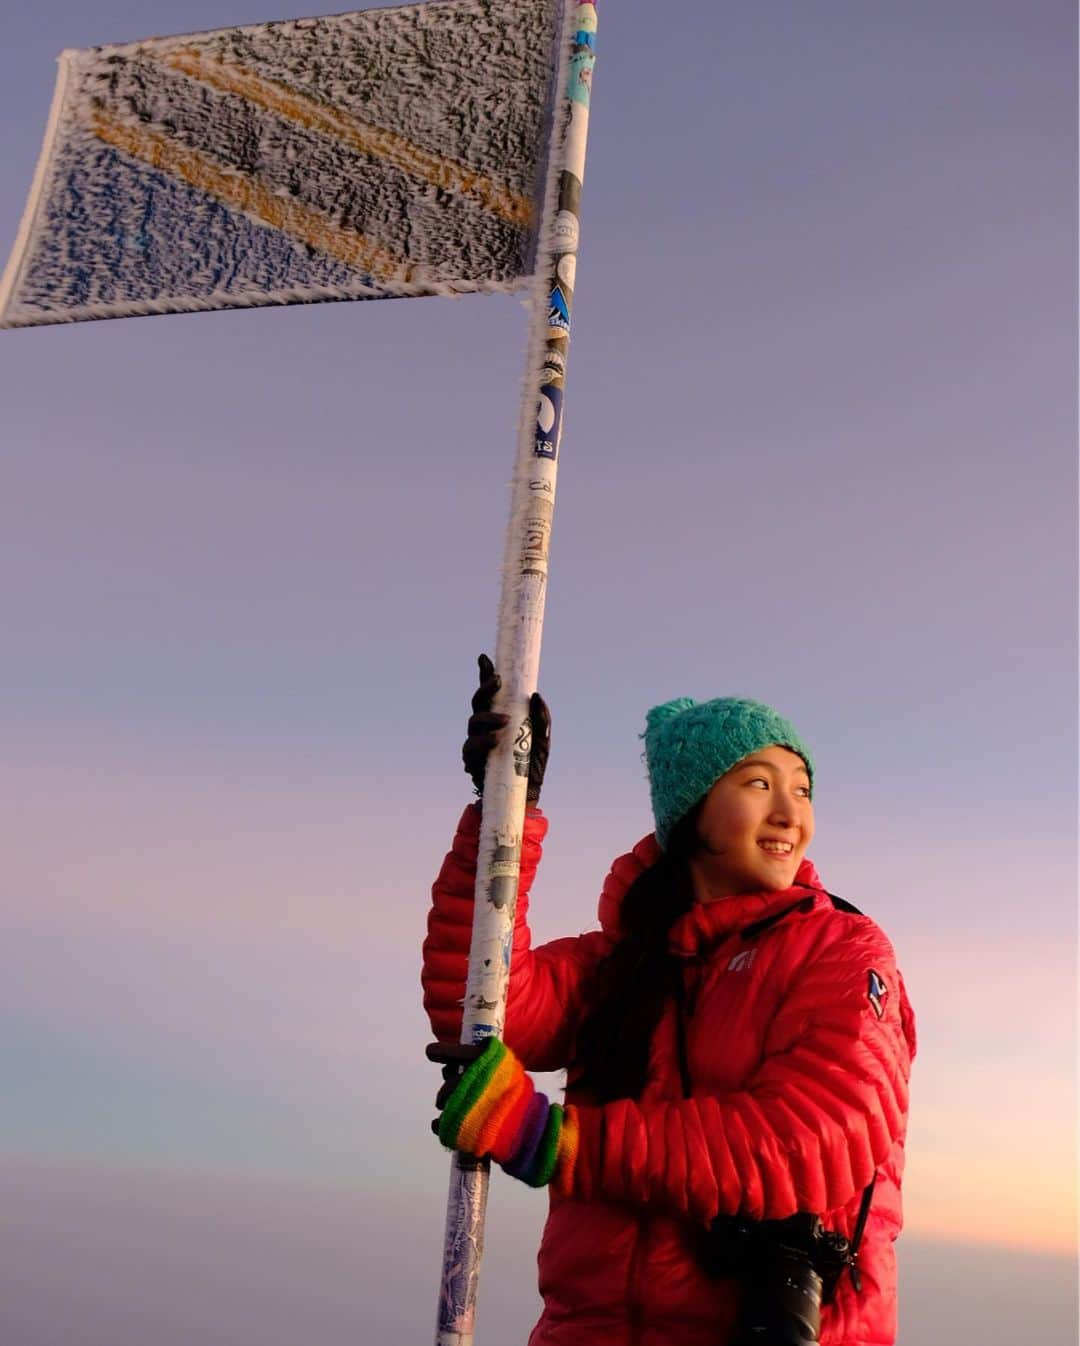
(454, 1057)
(485, 724)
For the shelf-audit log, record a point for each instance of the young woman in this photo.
(738, 1044)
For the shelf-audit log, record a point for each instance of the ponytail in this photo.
(634, 982)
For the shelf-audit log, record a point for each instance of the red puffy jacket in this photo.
(799, 1041)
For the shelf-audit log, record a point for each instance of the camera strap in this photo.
(857, 1233)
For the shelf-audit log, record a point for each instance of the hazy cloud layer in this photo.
(99, 1257)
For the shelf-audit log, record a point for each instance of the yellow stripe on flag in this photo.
(243, 192)
(375, 141)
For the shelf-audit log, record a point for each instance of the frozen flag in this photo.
(360, 156)
(423, 149)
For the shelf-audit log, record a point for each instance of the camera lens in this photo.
(781, 1305)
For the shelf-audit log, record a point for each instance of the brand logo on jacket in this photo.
(877, 993)
(742, 961)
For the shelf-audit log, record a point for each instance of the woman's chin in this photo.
(755, 874)
(775, 880)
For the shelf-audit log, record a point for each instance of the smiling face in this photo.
(754, 828)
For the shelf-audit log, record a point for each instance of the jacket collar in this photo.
(706, 923)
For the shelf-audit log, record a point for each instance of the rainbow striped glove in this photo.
(495, 1109)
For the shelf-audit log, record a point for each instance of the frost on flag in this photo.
(360, 156)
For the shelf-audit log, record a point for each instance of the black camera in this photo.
(787, 1269)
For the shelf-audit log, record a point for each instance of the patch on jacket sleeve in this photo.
(877, 993)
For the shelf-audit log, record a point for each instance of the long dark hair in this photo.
(633, 983)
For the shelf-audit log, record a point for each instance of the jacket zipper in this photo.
(635, 1309)
(685, 1004)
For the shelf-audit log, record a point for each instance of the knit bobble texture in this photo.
(667, 710)
(690, 744)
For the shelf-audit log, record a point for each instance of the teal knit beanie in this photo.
(690, 744)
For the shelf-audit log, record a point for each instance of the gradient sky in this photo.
(820, 449)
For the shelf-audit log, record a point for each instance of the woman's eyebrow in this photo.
(760, 761)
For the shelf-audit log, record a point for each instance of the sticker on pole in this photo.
(388, 152)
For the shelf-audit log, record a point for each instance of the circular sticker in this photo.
(545, 414)
(564, 232)
(555, 360)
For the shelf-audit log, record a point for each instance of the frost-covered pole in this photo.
(521, 618)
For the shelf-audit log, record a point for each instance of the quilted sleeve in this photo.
(818, 1116)
(544, 997)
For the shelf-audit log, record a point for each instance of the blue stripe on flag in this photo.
(100, 190)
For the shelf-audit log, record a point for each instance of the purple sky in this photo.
(820, 449)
